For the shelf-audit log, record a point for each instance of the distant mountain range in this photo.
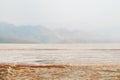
(10, 33)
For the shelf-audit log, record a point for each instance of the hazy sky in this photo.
(77, 14)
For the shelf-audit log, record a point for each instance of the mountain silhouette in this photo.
(10, 33)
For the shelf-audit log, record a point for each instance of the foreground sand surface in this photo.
(59, 72)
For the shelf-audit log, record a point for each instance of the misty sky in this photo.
(73, 14)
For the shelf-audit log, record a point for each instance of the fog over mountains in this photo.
(10, 33)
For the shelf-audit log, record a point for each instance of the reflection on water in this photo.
(52, 54)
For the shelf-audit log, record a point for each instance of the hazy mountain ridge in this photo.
(10, 33)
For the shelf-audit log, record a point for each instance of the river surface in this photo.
(42, 54)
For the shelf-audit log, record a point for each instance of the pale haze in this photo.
(99, 17)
